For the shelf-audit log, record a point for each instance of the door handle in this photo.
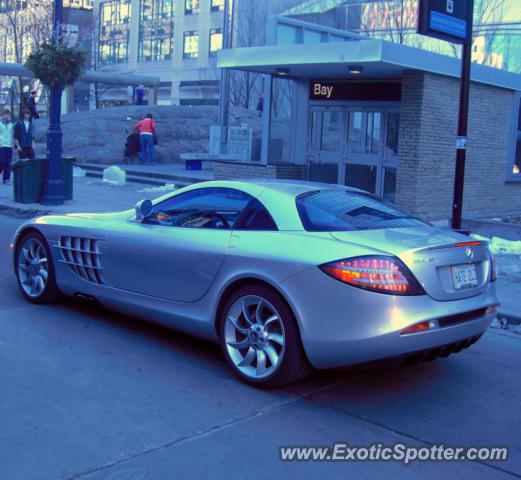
(234, 241)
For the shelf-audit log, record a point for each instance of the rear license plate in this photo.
(464, 276)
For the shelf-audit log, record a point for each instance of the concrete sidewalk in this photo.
(509, 294)
(90, 195)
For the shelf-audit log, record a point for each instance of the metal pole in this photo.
(224, 90)
(53, 188)
(461, 143)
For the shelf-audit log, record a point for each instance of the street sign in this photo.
(452, 20)
(444, 19)
(461, 143)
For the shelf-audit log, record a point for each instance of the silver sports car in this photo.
(287, 276)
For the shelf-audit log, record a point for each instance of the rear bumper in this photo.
(341, 325)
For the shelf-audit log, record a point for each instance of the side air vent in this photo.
(82, 255)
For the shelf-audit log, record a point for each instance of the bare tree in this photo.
(250, 18)
(392, 20)
(24, 24)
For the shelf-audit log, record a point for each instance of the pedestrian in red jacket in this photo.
(147, 130)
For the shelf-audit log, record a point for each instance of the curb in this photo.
(509, 317)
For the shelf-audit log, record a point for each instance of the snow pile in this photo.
(501, 246)
(167, 187)
(114, 176)
(506, 252)
(78, 172)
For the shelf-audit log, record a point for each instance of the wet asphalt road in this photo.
(90, 394)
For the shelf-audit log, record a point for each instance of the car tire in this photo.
(260, 338)
(34, 269)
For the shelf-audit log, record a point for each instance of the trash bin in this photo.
(27, 175)
(66, 174)
(67, 169)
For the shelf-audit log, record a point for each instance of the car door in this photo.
(175, 253)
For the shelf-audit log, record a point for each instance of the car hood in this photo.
(101, 217)
(431, 254)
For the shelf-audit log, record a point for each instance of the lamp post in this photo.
(53, 188)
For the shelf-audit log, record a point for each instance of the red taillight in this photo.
(377, 273)
(417, 327)
(468, 244)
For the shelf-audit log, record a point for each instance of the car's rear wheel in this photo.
(260, 338)
(34, 269)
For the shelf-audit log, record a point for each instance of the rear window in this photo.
(343, 210)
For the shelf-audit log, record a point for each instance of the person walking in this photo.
(32, 105)
(24, 136)
(147, 130)
(6, 145)
(140, 94)
(260, 105)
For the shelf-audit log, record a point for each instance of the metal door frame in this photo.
(341, 157)
(364, 158)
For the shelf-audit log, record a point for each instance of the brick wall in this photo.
(428, 127)
(236, 171)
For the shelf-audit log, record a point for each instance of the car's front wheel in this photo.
(34, 269)
(260, 338)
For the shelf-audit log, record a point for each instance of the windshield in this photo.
(343, 210)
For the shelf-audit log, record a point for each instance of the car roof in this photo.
(276, 195)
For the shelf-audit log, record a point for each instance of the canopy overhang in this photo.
(110, 78)
(379, 59)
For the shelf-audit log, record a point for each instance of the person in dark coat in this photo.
(32, 106)
(132, 145)
(24, 136)
(140, 94)
(260, 105)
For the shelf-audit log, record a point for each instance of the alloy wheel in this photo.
(254, 336)
(33, 267)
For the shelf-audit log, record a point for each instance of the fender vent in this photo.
(82, 255)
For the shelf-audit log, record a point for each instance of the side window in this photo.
(256, 217)
(214, 207)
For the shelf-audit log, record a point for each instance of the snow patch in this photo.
(114, 176)
(78, 172)
(167, 187)
(501, 246)
(506, 252)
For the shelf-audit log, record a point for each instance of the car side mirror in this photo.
(143, 209)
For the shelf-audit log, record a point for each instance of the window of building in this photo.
(114, 18)
(78, 4)
(217, 5)
(516, 151)
(156, 30)
(191, 44)
(216, 41)
(192, 6)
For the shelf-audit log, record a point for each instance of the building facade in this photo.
(382, 117)
(176, 40)
(26, 24)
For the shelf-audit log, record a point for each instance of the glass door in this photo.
(325, 143)
(362, 155)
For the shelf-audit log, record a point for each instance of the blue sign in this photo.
(449, 25)
(446, 19)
